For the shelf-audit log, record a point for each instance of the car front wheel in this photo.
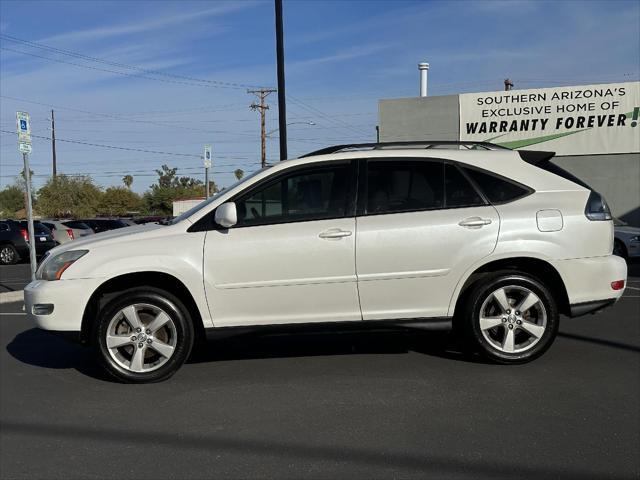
(511, 318)
(144, 335)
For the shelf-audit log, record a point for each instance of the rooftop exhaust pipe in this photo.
(424, 70)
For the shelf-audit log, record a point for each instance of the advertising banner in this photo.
(577, 120)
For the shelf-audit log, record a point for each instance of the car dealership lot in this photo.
(328, 405)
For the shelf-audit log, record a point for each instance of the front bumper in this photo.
(588, 281)
(68, 297)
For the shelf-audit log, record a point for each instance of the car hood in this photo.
(109, 237)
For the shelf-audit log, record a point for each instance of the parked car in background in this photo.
(627, 239)
(483, 239)
(12, 243)
(78, 226)
(64, 233)
(14, 236)
(151, 219)
(104, 224)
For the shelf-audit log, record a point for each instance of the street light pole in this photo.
(282, 109)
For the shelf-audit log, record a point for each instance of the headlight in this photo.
(53, 268)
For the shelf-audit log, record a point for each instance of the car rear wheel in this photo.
(144, 335)
(511, 318)
(8, 255)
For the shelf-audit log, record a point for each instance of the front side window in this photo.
(309, 194)
(404, 186)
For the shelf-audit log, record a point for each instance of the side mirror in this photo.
(226, 215)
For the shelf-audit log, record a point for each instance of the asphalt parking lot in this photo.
(354, 404)
(14, 277)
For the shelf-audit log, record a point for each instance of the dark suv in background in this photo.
(103, 224)
(14, 236)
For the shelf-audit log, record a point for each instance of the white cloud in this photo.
(150, 24)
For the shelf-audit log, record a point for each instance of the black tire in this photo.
(619, 249)
(516, 283)
(8, 254)
(182, 326)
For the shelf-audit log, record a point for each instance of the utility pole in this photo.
(262, 107)
(53, 144)
(208, 159)
(282, 108)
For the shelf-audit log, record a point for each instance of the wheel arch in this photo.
(161, 280)
(536, 267)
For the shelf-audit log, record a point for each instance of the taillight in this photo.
(617, 285)
(597, 208)
(25, 234)
(70, 233)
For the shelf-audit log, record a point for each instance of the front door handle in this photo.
(335, 233)
(474, 222)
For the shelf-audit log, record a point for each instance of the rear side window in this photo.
(458, 191)
(77, 224)
(404, 186)
(496, 189)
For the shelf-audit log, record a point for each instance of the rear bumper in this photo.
(588, 281)
(579, 309)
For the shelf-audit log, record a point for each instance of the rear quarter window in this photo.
(497, 189)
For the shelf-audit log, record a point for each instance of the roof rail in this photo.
(426, 144)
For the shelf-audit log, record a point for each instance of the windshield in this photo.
(204, 203)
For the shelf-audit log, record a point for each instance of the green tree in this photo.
(239, 173)
(170, 187)
(119, 201)
(65, 196)
(11, 200)
(127, 180)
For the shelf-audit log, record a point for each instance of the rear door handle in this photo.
(335, 233)
(474, 222)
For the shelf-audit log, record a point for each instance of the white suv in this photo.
(499, 241)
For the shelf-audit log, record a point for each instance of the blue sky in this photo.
(341, 58)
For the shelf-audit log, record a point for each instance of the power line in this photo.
(121, 117)
(115, 147)
(316, 111)
(193, 80)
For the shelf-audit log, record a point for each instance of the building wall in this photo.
(617, 177)
(422, 118)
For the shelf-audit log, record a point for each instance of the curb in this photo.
(10, 297)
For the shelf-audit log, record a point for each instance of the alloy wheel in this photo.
(141, 338)
(513, 319)
(7, 255)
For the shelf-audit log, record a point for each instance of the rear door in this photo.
(420, 225)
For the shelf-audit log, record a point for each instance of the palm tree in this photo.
(127, 180)
(239, 173)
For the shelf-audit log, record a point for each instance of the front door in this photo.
(291, 256)
(422, 225)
